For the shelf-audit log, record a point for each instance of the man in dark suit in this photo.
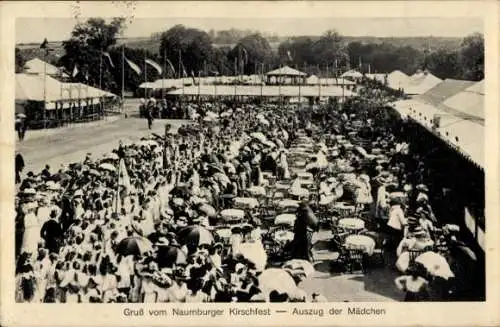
(52, 233)
(19, 167)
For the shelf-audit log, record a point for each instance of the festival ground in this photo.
(71, 144)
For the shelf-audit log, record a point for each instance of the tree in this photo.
(330, 47)
(192, 46)
(132, 80)
(20, 61)
(444, 64)
(253, 51)
(85, 47)
(471, 57)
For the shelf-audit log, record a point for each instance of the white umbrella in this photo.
(259, 136)
(148, 143)
(436, 264)
(112, 156)
(255, 253)
(299, 265)
(274, 279)
(107, 166)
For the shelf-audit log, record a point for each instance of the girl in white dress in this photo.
(32, 227)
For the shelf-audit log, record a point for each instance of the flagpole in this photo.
(163, 75)
(261, 81)
(100, 82)
(279, 89)
(145, 77)
(44, 88)
(300, 82)
(236, 76)
(199, 76)
(123, 74)
(319, 88)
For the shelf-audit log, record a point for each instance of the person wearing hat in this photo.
(397, 220)
(178, 291)
(31, 235)
(418, 240)
(19, 166)
(415, 286)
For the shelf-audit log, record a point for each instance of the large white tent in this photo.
(50, 90)
(397, 79)
(421, 82)
(40, 67)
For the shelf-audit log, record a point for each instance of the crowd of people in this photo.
(193, 217)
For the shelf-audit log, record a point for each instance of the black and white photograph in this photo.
(288, 159)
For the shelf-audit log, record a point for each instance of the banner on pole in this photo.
(134, 67)
(105, 54)
(154, 65)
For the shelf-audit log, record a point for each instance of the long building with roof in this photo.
(447, 125)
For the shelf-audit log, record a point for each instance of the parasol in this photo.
(299, 265)
(107, 166)
(285, 219)
(194, 236)
(254, 252)
(232, 214)
(134, 245)
(148, 143)
(256, 190)
(169, 256)
(208, 210)
(435, 264)
(259, 136)
(275, 279)
(245, 203)
(112, 156)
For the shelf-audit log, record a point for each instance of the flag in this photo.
(245, 55)
(154, 65)
(184, 73)
(289, 54)
(75, 71)
(87, 76)
(44, 44)
(360, 64)
(124, 178)
(192, 75)
(171, 66)
(105, 54)
(134, 67)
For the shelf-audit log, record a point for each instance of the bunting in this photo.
(106, 54)
(171, 65)
(75, 71)
(134, 67)
(154, 65)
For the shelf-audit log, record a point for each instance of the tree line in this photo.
(185, 51)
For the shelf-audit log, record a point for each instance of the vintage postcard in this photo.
(256, 163)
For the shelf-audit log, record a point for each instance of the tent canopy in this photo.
(377, 77)
(444, 90)
(421, 82)
(352, 73)
(38, 66)
(397, 79)
(266, 91)
(33, 88)
(285, 71)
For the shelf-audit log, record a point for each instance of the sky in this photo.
(58, 29)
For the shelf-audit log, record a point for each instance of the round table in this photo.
(283, 236)
(224, 234)
(353, 224)
(360, 242)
